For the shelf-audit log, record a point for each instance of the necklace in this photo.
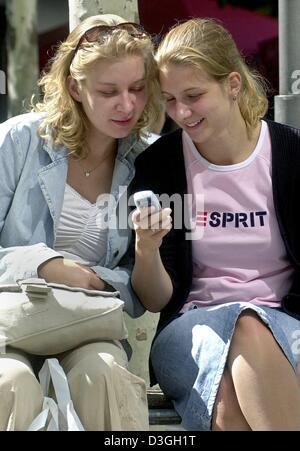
(87, 172)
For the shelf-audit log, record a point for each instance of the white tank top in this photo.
(82, 230)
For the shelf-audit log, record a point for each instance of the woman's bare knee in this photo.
(298, 372)
(227, 414)
(250, 324)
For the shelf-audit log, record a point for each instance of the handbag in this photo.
(47, 318)
(56, 415)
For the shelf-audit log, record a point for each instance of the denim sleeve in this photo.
(18, 262)
(22, 262)
(119, 279)
(12, 160)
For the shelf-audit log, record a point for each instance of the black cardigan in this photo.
(161, 168)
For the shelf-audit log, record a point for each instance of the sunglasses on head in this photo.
(100, 32)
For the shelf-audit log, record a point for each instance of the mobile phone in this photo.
(144, 199)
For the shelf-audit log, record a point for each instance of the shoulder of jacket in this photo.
(283, 129)
(163, 148)
(26, 120)
(22, 128)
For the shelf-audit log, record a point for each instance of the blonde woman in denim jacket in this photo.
(79, 143)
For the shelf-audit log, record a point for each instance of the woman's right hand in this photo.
(150, 228)
(150, 280)
(68, 272)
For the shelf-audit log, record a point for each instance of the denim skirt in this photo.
(190, 354)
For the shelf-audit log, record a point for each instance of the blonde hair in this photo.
(65, 121)
(206, 45)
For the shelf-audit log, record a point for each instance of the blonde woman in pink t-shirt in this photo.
(227, 281)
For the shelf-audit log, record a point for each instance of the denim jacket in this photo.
(33, 175)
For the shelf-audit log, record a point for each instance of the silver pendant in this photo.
(87, 173)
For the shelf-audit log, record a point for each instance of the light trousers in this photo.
(106, 396)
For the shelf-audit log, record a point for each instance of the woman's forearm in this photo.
(151, 281)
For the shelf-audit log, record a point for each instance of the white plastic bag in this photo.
(60, 415)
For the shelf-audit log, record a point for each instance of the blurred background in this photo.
(253, 24)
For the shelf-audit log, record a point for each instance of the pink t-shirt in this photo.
(239, 255)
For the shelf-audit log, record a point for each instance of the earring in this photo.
(234, 98)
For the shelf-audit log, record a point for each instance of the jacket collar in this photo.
(130, 143)
(55, 152)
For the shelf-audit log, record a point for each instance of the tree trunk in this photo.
(2, 82)
(81, 9)
(22, 48)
